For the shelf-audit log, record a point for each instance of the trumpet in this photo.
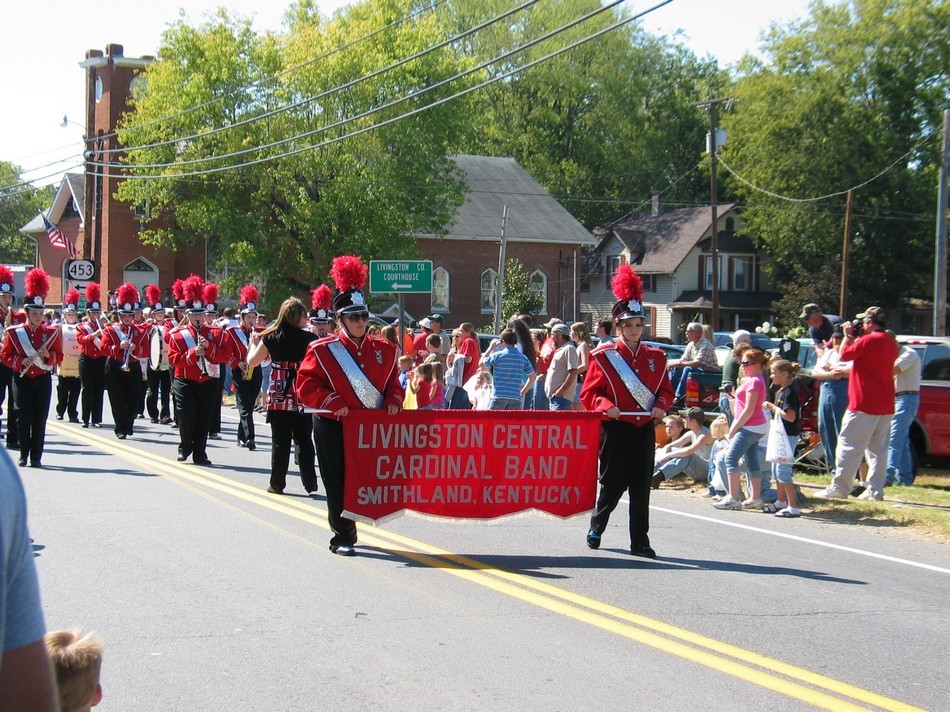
(128, 356)
(249, 373)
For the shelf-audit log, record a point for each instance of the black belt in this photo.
(906, 393)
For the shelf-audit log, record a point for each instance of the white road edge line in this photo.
(806, 540)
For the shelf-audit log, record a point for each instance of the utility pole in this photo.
(940, 266)
(501, 268)
(843, 299)
(713, 106)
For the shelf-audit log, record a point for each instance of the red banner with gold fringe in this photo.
(470, 464)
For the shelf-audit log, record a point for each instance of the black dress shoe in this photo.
(251, 445)
(121, 436)
(273, 490)
(181, 457)
(593, 539)
(214, 436)
(85, 425)
(343, 550)
(22, 462)
(97, 425)
(37, 464)
(59, 417)
(645, 551)
(74, 420)
(154, 420)
(658, 477)
(202, 461)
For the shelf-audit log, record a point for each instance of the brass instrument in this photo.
(128, 356)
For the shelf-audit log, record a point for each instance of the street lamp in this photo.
(67, 121)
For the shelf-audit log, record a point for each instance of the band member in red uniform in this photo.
(210, 295)
(623, 377)
(158, 375)
(346, 371)
(92, 362)
(321, 318)
(31, 350)
(192, 348)
(123, 343)
(246, 380)
(67, 379)
(8, 317)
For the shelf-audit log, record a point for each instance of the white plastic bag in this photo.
(778, 448)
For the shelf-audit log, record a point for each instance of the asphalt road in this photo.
(213, 595)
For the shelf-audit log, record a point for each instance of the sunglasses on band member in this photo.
(361, 316)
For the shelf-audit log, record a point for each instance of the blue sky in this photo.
(41, 46)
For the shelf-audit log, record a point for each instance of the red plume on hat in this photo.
(626, 284)
(348, 272)
(153, 294)
(72, 297)
(249, 294)
(6, 280)
(320, 297)
(36, 284)
(178, 290)
(92, 292)
(192, 289)
(210, 293)
(126, 294)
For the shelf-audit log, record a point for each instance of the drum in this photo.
(158, 349)
(71, 351)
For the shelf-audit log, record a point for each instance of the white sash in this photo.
(637, 388)
(25, 342)
(368, 394)
(188, 338)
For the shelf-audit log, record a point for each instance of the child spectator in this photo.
(675, 427)
(787, 407)
(689, 454)
(424, 386)
(77, 661)
(481, 394)
(405, 364)
(511, 371)
(718, 429)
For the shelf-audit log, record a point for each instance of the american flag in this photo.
(58, 240)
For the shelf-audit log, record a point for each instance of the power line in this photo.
(436, 103)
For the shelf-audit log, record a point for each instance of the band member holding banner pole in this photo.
(285, 344)
(123, 343)
(92, 362)
(158, 371)
(192, 348)
(8, 317)
(31, 350)
(246, 380)
(210, 295)
(627, 381)
(346, 371)
(67, 380)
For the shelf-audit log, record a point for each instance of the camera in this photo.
(857, 328)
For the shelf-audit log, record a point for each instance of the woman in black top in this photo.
(285, 344)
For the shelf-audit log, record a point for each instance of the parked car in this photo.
(759, 341)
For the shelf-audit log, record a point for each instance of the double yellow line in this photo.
(774, 675)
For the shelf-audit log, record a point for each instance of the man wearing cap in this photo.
(349, 370)
(31, 350)
(419, 348)
(437, 325)
(820, 326)
(698, 357)
(8, 317)
(561, 377)
(123, 343)
(865, 430)
(92, 362)
(627, 381)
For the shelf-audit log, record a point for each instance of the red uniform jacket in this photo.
(87, 342)
(14, 356)
(237, 349)
(137, 333)
(603, 387)
(184, 360)
(322, 383)
(16, 317)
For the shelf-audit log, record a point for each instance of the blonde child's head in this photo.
(719, 427)
(77, 661)
(675, 425)
(405, 363)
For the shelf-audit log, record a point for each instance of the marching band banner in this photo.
(469, 464)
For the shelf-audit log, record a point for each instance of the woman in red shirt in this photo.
(465, 345)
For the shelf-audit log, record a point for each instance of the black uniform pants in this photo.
(32, 396)
(245, 395)
(6, 386)
(159, 387)
(328, 437)
(214, 423)
(124, 388)
(286, 427)
(92, 375)
(193, 403)
(67, 396)
(626, 465)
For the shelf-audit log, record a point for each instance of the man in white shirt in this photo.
(900, 463)
(562, 373)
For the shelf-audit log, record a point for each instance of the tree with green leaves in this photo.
(518, 294)
(18, 205)
(850, 96)
(299, 189)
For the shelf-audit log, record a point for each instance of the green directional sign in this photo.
(400, 276)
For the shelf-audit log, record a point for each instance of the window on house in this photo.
(730, 224)
(613, 264)
(489, 283)
(539, 285)
(707, 271)
(741, 274)
(440, 289)
(649, 282)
